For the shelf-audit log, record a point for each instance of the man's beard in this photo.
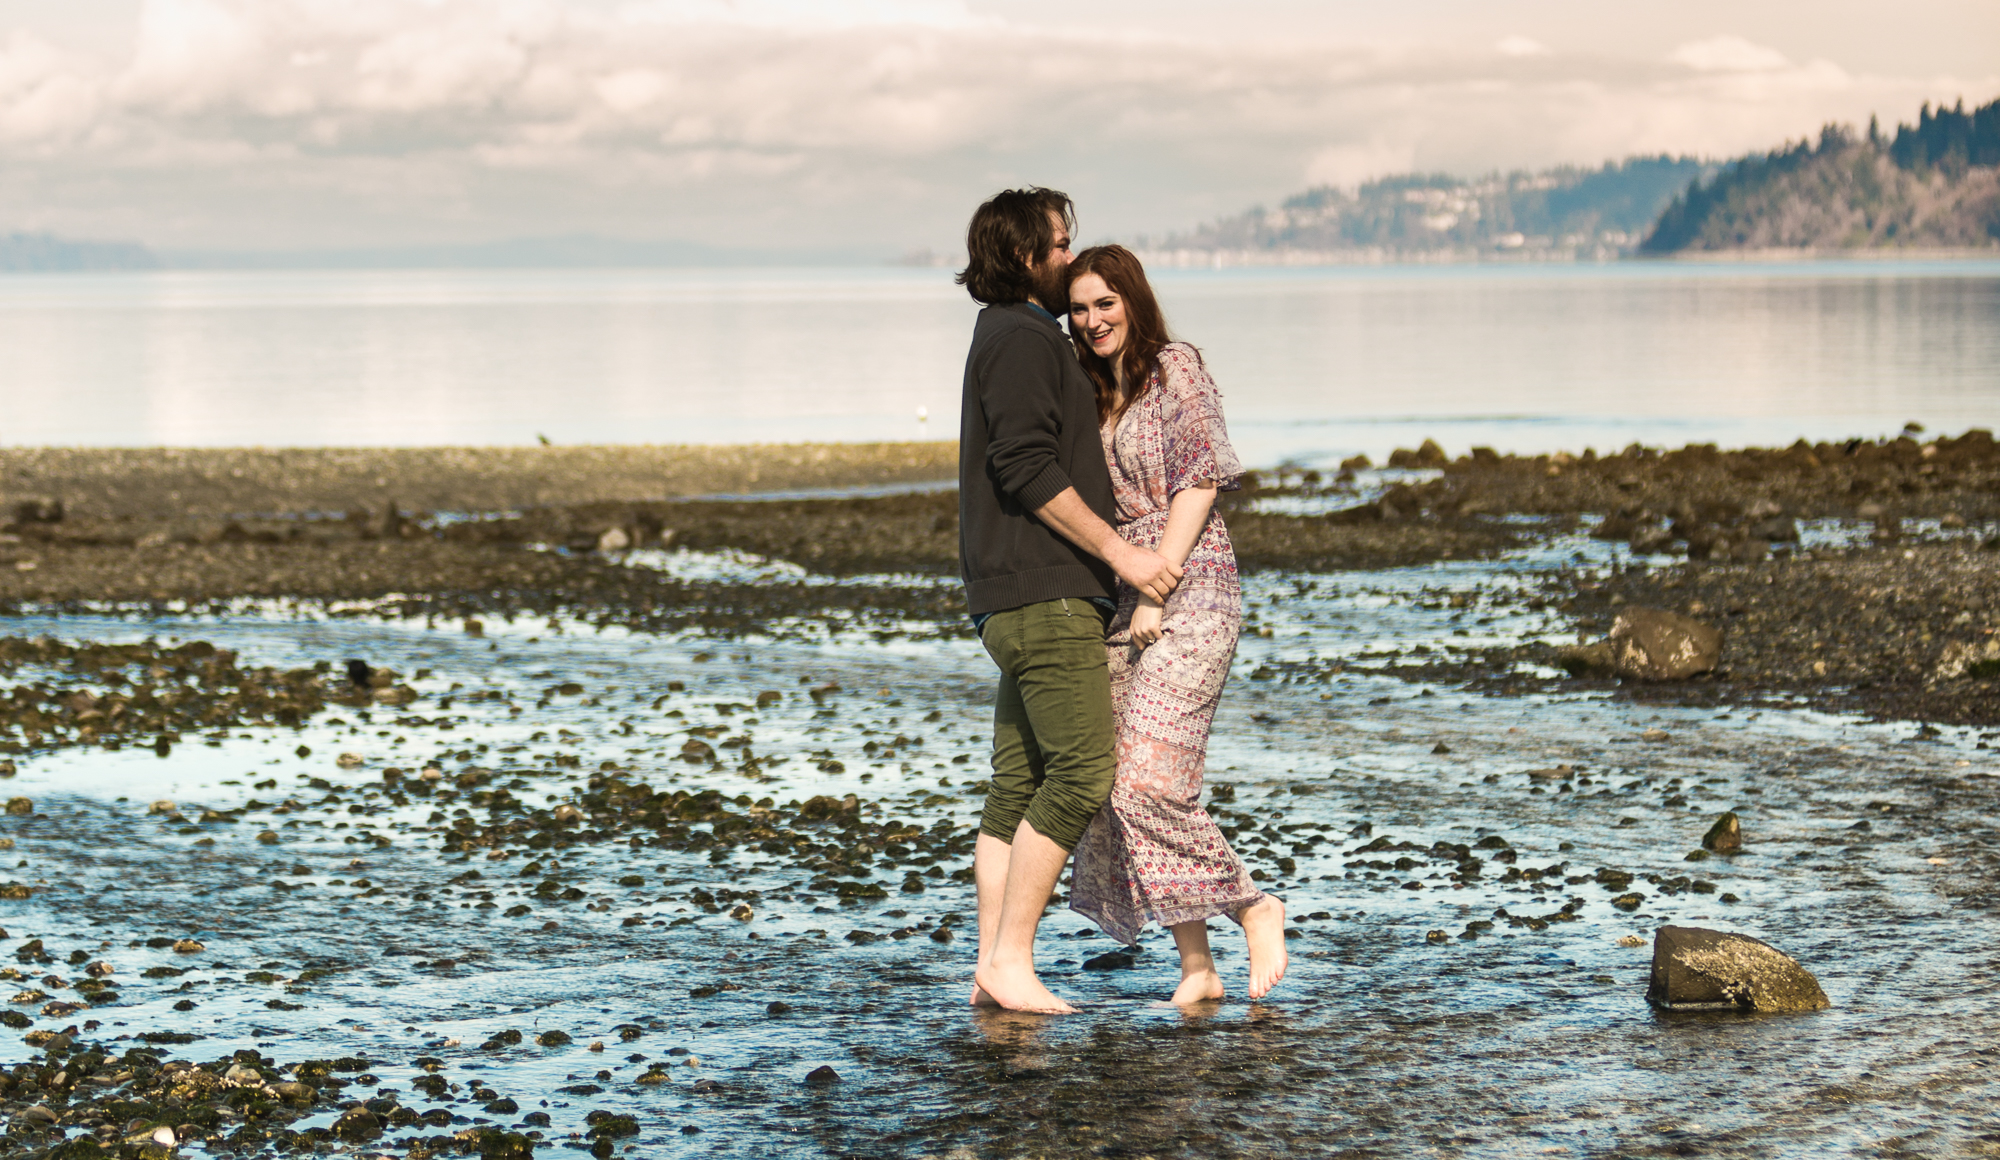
(1051, 284)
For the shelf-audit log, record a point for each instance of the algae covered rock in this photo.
(1695, 968)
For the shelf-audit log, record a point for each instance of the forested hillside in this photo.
(1936, 184)
(1567, 212)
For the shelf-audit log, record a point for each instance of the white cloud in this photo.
(1350, 165)
(792, 122)
(1728, 54)
(1520, 46)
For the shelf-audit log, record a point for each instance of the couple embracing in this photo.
(1103, 585)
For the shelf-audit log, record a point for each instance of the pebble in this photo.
(20, 806)
(823, 1074)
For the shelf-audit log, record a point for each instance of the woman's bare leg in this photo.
(1199, 980)
(1264, 928)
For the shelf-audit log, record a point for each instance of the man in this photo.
(1038, 559)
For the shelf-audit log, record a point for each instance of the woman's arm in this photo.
(1187, 515)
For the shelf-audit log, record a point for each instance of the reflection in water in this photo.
(1317, 364)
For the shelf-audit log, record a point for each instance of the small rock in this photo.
(163, 806)
(1596, 659)
(705, 1086)
(1438, 936)
(1655, 735)
(349, 760)
(1110, 961)
(302, 1094)
(431, 773)
(567, 813)
(1725, 836)
(268, 837)
(41, 1115)
(1698, 968)
(821, 1075)
(240, 1076)
(777, 1007)
(7, 768)
(1440, 749)
(20, 806)
(164, 1137)
(188, 946)
(554, 1039)
(1631, 940)
(742, 912)
(1631, 901)
(474, 628)
(1951, 521)
(357, 1123)
(613, 540)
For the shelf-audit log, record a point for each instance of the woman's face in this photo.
(1098, 314)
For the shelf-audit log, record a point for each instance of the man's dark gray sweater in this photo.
(1027, 431)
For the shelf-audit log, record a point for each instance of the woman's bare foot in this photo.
(1199, 987)
(1017, 989)
(1264, 928)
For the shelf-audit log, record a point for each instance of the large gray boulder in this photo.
(1653, 644)
(1649, 644)
(1699, 969)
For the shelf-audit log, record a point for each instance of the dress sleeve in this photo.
(1197, 443)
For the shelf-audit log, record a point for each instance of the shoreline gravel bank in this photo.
(1896, 624)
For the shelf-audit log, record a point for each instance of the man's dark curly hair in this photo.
(1007, 230)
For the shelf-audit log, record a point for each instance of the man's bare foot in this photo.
(1264, 928)
(1199, 987)
(980, 998)
(1019, 990)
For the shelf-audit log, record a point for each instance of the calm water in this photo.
(1314, 363)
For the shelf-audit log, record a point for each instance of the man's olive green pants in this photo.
(1053, 736)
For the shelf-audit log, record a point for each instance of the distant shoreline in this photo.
(1176, 260)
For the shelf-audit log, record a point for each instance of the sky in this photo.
(874, 126)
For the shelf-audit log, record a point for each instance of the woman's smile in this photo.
(1098, 313)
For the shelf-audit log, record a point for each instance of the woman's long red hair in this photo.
(1145, 328)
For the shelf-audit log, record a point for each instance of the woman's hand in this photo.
(1146, 622)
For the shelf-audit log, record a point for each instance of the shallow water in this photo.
(1529, 1038)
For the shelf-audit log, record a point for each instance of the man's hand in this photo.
(1152, 574)
(1148, 571)
(1146, 622)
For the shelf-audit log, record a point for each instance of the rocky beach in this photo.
(1895, 619)
(493, 802)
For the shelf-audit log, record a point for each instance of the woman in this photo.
(1152, 853)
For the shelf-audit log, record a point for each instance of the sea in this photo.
(1315, 364)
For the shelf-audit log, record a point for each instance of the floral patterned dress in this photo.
(1152, 853)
